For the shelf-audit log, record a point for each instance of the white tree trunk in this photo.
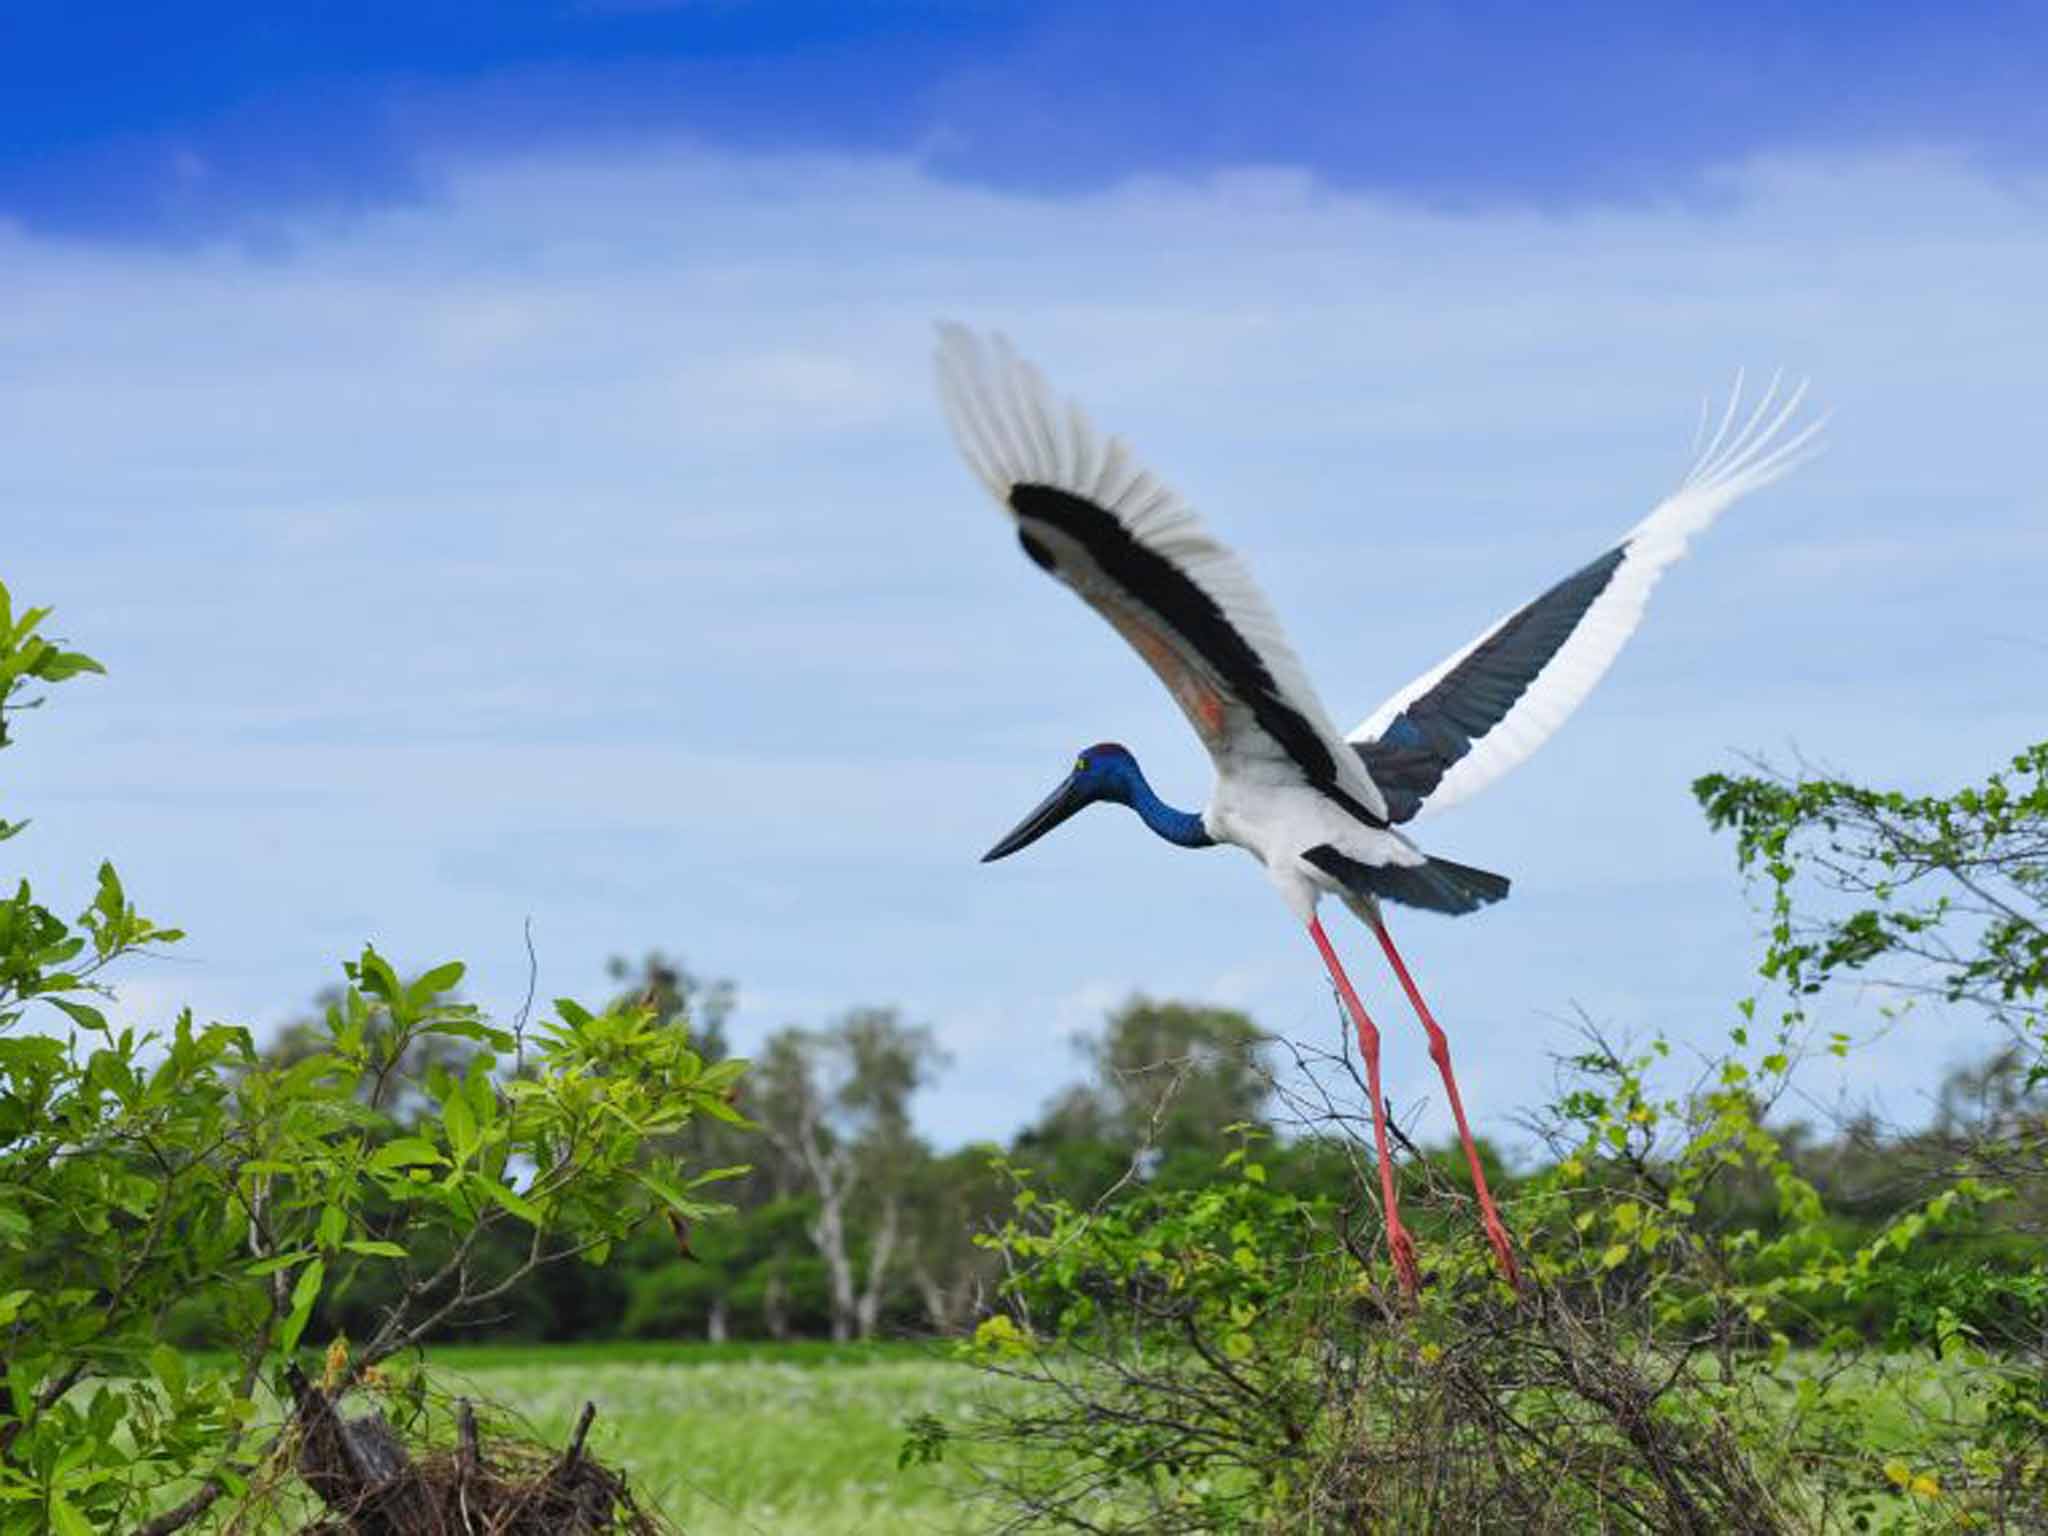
(829, 1233)
(938, 1306)
(833, 1177)
(884, 1249)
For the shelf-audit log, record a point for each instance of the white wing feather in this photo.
(1013, 431)
(1729, 468)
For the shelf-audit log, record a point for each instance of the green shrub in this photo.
(166, 1189)
(1705, 1344)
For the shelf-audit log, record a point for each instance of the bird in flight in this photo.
(1320, 810)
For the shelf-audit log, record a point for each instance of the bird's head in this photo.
(1105, 771)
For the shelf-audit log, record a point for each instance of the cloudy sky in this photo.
(494, 452)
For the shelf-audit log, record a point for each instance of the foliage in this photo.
(1164, 1078)
(147, 1171)
(1234, 1358)
(671, 990)
(1694, 1351)
(1947, 895)
(26, 659)
(1939, 899)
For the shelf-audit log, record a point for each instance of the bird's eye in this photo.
(1080, 765)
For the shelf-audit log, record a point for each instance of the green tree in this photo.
(696, 1275)
(952, 1201)
(671, 990)
(148, 1170)
(835, 1104)
(1930, 896)
(1934, 901)
(395, 1087)
(1165, 1079)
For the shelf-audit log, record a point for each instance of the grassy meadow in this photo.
(757, 1438)
(742, 1439)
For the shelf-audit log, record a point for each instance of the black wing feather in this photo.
(1169, 592)
(1409, 759)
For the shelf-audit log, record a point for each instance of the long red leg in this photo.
(1398, 1241)
(1440, 1053)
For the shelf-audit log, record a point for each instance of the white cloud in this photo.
(585, 544)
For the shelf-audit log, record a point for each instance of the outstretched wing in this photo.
(1140, 557)
(1482, 710)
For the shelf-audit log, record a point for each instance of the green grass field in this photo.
(761, 1438)
(804, 1438)
(738, 1439)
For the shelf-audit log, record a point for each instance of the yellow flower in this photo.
(337, 1364)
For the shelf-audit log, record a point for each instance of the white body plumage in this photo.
(1276, 818)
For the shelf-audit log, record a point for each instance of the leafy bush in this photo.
(1694, 1351)
(172, 1179)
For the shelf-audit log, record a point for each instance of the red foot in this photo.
(1497, 1235)
(1403, 1251)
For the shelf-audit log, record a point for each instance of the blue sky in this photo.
(181, 122)
(494, 450)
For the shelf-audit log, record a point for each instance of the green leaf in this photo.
(460, 1120)
(304, 1294)
(58, 666)
(405, 1152)
(718, 1109)
(65, 1520)
(378, 979)
(442, 978)
(374, 1248)
(109, 900)
(169, 1367)
(717, 1175)
(518, 1205)
(277, 1261)
(307, 1289)
(80, 1013)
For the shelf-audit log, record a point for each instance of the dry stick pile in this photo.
(372, 1486)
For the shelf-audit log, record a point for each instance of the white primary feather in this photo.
(1729, 468)
(1012, 431)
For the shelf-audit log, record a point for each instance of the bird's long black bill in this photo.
(1054, 809)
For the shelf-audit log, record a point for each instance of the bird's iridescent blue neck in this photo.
(1183, 828)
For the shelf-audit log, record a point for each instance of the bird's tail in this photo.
(1440, 886)
(1435, 885)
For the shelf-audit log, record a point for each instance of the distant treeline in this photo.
(847, 1224)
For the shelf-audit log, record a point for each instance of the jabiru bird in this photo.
(1321, 811)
